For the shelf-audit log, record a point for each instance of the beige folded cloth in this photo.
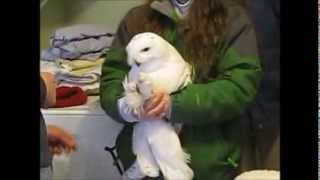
(77, 65)
(259, 175)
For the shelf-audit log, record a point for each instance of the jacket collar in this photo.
(165, 7)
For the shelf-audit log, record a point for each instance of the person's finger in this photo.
(155, 100)
(60, 149)
(52, 140)
(69, 141)
(56, 150)
(157, 112)
(60, 143)
(165, 100)
(160, 108)
(140, 112)
(164, 111)
(75, 148)
(51, 150)
(72, 144)
(67, 150)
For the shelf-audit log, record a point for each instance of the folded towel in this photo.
(81, 31)
(73, 51)
(55, 67)
(79, 42)
(73, 78)
(90, 49)
(49, 66)
(89, 89)
(70, 96)
(75, 74)
(78, 64)
(259, 175)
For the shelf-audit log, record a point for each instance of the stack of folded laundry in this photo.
(80, 73)
(75, 58)
(83, 41)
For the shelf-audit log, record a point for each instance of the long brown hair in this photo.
(202, 29)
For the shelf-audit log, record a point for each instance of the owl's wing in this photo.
(133, 74)
(170, 77)
(185, 77)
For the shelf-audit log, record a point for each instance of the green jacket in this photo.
(209, 111)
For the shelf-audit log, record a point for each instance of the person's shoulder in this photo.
(136, 19)
(236, 12)
(237, 20)
(137, 12)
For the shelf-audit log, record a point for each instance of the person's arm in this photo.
(114, 71)
(43, 93)
(48, 90)
(60, 140)
(227, 96)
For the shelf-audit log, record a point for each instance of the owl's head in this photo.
(146, 47)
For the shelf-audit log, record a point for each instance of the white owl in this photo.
(155, 64)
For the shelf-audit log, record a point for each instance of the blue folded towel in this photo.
(79, 42)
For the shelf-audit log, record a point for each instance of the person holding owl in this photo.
(217, 39)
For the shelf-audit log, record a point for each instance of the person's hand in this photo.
(51, 85)
(157, 106)
(60, 141)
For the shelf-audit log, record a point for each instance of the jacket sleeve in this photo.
(235, 87)
(114, 70)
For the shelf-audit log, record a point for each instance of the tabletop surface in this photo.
(92, 107)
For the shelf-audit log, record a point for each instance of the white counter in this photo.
(93, 130)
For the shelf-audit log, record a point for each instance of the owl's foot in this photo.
(133, 173)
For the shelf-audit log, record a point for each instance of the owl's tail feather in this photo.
(174, 168)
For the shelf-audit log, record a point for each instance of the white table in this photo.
(93, 130)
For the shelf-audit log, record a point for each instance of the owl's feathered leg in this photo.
(133, 173)
(169, 155)
(145, 164)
